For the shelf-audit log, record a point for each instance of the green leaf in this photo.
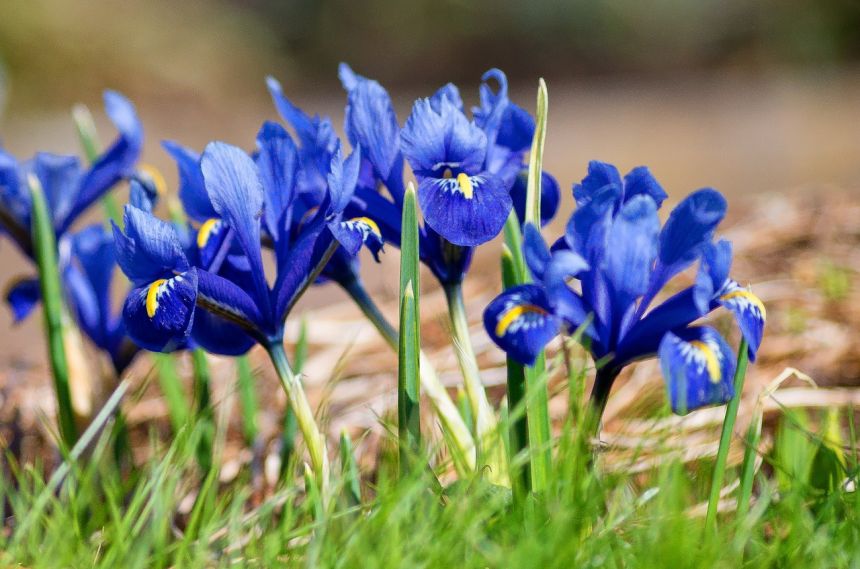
(409, 343)
(45, 249)
(533, 188)
(828, 465)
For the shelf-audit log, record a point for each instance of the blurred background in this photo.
(749, 97)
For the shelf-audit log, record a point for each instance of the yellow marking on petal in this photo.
(205, 232)
(152, 297)
(157, 179)
(756, 301)
(370, 223)
(711, 362)
(466, 185)
(511, 315)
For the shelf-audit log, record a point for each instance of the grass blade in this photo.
(247, 399)
(290, 426)
(726, 437)
(204, 412)
(409, 343)
(45, 249)
(171, 389)
(349, 471)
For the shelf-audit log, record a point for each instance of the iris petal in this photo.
(550, 196)
(234, 186)
(353, 233)
(435, 141)
(749, 312)
(690, 225)
(600, 175)
(467, 210)
(698, 367)
(535, 251)
(158, 316)
(149, 248)
(192, 191)
(23, 295)
(640, 181)
(371, 123)
(115, 163)
(521, 322)
(632, 246)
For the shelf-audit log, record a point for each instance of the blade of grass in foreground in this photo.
(45, 248)
(726, 438)
(409, 343)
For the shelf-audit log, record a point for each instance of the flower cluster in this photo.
(602, 276)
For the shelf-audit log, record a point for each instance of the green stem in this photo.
(408, 393)
(726, 438)
(486, 427)
(45, 248)
(298, 402)
(461, 443)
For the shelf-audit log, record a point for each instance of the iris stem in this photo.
(603, 382)
(298, 402)
(726, 437)
(461, 444)
(490, 449)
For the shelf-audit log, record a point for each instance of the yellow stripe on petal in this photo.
(466, 185)
(715, 372)
(157, 179)
(205, 232)
(370, 223)
(152, 297)
(512, 314)
(749, 296)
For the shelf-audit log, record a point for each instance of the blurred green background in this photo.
(749, 97)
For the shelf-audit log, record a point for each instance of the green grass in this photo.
(587, 517)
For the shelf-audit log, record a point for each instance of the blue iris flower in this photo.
(469, 171)
(86, 257)
(620, 258)
(69, 188)
(220, 298)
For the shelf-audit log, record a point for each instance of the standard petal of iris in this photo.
(698, 367)
(690, 225)
(277, 160)
(640, 181)
(521, 322)
(158, 316)
(600, 175)
(116, 162)
(466, 210)
(749, 312)
(192, 191)
(632, 246)
(371, 123)
(60, 177)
